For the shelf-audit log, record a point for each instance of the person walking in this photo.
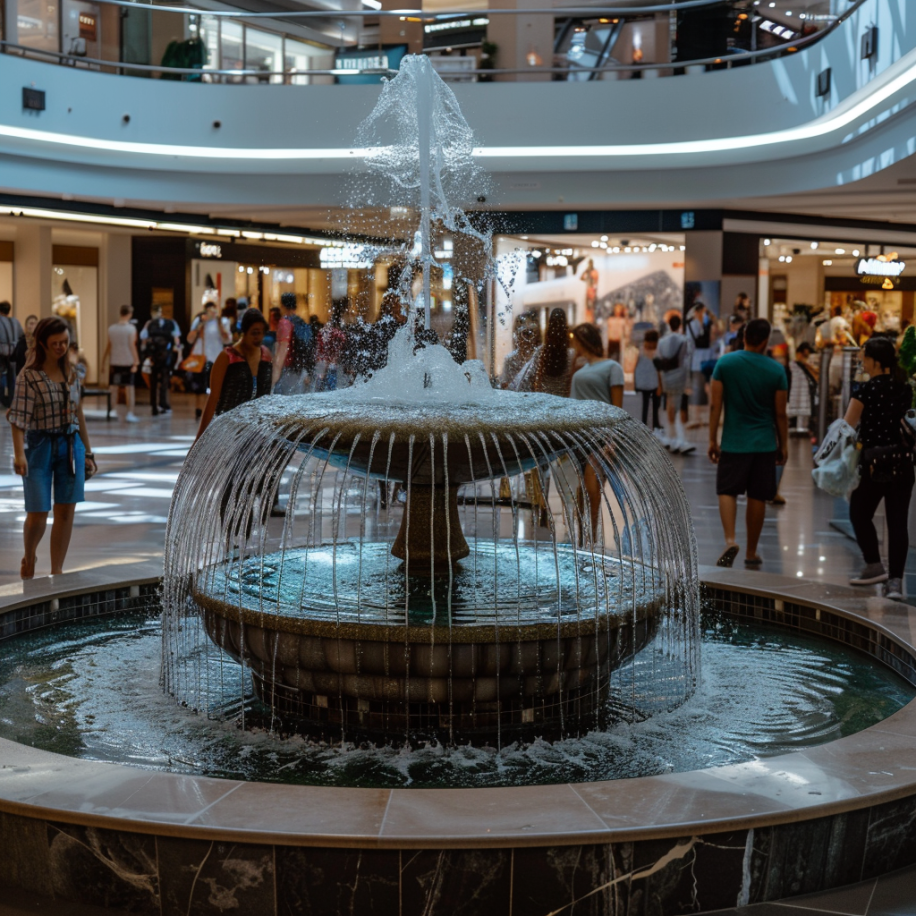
(701, 330)
(24, 342)
(599, 379)
(124, 363)
(527, 339)
(294, 354)
(751, 388)
(878, 409)
(672, 363)
(160, 339)
(241, 372)
(208, 335)
(10, 334)
(51, 450)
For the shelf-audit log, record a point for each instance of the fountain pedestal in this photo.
(430, 537)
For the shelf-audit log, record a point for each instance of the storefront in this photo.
(182, 275)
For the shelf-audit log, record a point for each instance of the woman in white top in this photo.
(209, 335)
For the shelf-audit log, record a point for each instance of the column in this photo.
(32, 271)
(114, 285)
(522, 42)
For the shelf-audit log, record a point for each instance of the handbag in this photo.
(194, 363)
(889, 463)
(837, 460)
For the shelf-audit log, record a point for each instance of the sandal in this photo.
(753, 562)
(728, 557)
(27, 568)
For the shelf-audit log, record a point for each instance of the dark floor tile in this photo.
(328, 882)
(549, 879)
(848, 901)
(25, 860)
(200, 878)
(14, 901)
(104, 868)
(895, 894)
(767, 909)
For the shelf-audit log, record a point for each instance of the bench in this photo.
(100, 393)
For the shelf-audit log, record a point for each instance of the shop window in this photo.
(300, 56)
(209, 34)
(232, 48)
(37, 24)
(264, 52)
(81, 27)
(74, 290)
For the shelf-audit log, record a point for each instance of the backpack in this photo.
(703, 341)
(7, 339)
(158, 343)
(669, 363)
(303, 351)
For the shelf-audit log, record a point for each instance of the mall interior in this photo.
(241, 694)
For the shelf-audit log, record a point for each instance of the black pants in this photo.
(862, 507)
(159, 387)
(653, 398)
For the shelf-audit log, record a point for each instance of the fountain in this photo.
(434, 576)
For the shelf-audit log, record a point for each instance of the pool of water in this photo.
(92, 691)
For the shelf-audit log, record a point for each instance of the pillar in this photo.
(522, 42)
(32, 270)
(114, 282)
(719, 265)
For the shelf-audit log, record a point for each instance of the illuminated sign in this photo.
(355, 257)
(880, 267)
(210, 251)
(452, 24)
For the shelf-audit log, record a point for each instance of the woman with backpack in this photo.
(878, 409)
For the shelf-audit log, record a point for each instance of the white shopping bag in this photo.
(837, 460)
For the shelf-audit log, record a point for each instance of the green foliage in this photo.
(907, 353)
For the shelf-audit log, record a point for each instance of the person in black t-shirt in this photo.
(886, 465)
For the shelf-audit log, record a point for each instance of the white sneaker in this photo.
(894, 590)
(684, 447)
(132, 418)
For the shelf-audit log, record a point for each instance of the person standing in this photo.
(124, 359)
(672, 363)
(553, 360)
(751, 388)
(701, 331)
(645, 380)
(208, 335)
(51, 450)
(241, 372)
(294, 354)
(802, 389)
(160, 339)
(527, 340)
(10, 334)
(599, 379)
(886, 466)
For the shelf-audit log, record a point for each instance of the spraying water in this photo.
(436, 572)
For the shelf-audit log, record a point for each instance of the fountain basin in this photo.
(841, 812)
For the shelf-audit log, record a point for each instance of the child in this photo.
(645, 379)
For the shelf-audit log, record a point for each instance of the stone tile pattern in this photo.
(159, 874)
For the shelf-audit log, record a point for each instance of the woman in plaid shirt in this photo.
(51, 448)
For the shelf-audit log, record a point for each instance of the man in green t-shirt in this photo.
(752, 388)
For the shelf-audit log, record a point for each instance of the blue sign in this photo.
(688, 220)
(571, 222)
(357, 61)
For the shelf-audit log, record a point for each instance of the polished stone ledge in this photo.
(873, 767)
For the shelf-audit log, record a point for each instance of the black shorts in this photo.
(122, 377)
(753, 473)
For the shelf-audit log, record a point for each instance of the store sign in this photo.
(878, 267)
(351, 66)
(88, 26)
(354, 257)
(208, 250)
(451, 25)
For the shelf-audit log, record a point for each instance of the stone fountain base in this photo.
(472, 683)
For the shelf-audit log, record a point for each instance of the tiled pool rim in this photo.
(856, 794)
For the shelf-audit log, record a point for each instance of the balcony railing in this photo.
(585, 41)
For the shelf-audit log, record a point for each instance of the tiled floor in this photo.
(124, 519)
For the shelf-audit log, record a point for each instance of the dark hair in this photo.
(756, 332)
(805, 347)
(252, 317)
(274, 311)
(125, 310)
(884, 353)
(210, 305)
(5, 308)
(674, 322)
(288, 301)
(555, 353)
(651, 336)
(589, 338)
(45, 329)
